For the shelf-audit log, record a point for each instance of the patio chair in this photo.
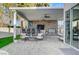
(23, 34)
(40, 36)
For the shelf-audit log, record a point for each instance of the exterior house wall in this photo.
(67, 6)
(49, 24)
(70, 40)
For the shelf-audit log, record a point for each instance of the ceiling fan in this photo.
(46, 16)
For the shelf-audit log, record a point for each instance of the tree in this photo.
(1, 12)
(25, 4)
(32, 4)
(8, 5)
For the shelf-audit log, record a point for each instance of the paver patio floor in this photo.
(49, 46)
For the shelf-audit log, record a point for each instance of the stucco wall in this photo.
(67, 6)
(6, 29)
(48, 24)
(5, 34)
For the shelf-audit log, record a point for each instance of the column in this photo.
(64, 24)
(14, 25)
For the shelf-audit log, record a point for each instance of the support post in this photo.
(64, 26)
(14, 25)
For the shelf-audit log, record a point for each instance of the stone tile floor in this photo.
(49, 46)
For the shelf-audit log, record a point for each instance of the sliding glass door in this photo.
(75, 26)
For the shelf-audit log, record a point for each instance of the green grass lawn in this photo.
(7, 40)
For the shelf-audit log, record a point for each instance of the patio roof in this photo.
(38, 13)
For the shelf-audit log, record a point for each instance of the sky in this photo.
(56, 5)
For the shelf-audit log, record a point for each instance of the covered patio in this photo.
(39, 19)
(42, 20)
